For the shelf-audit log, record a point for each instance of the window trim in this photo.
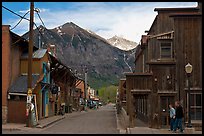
(195, 106)
(170, 51)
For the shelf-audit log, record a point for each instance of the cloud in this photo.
(129, 20)
(23, 11)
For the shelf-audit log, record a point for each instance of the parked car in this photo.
(90, 104)
(81, 101)
(95, 104)
(100, 104)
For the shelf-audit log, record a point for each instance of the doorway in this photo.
(164, 110)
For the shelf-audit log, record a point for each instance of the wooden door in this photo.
(164, 110)
(14, 114)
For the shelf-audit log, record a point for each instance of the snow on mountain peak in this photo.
(122, 43)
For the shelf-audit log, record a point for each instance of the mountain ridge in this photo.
(77, 48)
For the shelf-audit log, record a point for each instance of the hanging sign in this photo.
(29, 99)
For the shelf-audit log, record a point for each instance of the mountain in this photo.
(122, 43)
(77, 48)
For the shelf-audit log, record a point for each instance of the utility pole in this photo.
(39, 41)
(30, 54)
(85, 91)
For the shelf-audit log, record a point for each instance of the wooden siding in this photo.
(138, 82)
(14, 114)
(37, 65)
(16, 52)
(188, 41)
(168, 75)
(164, 76)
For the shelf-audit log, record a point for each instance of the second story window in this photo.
(166, 50)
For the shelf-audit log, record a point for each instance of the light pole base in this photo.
(189, 126)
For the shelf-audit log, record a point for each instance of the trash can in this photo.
(62, 109)
(70, 108)
(66, 109)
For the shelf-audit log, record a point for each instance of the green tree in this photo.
(108, 94)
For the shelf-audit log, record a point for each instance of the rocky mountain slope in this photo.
(122, 43)
(77, 48)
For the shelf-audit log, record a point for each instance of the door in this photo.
(14, 114)
(45, 102)
(164, 110)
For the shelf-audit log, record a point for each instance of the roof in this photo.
(18, 40)
(155, 19)
(186, 14)
(54, 61)
(177, 9)
(20, 85)
(36, 54)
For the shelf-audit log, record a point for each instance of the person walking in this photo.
(178, 117)
(172, 117)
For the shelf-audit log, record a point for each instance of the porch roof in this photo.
(20, 85)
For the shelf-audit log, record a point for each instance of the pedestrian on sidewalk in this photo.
(179, 116)
(172, 117)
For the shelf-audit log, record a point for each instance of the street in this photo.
(101, 121)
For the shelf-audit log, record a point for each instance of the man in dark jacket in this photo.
(179, 116)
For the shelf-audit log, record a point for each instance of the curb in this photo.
(128, 131)
(121, 131)
(50, 123)
(11, 129)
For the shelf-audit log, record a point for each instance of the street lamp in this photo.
(188, 69)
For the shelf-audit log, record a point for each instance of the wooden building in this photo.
(189, 27)
(40, 86)
(17, 97)
(40, 66)
(13, 46)
(173, 40)
(63, 77)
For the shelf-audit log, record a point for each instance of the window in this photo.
(166, 50)
(196, 106)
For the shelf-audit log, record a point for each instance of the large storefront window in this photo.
(196, 106)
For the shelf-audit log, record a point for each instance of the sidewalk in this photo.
(146, 130)
(141, 128)
(41, 123)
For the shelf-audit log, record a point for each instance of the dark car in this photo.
(90, 104)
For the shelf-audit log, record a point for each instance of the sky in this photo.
(107, 19)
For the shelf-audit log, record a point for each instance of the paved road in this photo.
(101, 121)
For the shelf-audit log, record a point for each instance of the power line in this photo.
(15, 13)
(22, 17)
(40, 18)
(20, 20)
